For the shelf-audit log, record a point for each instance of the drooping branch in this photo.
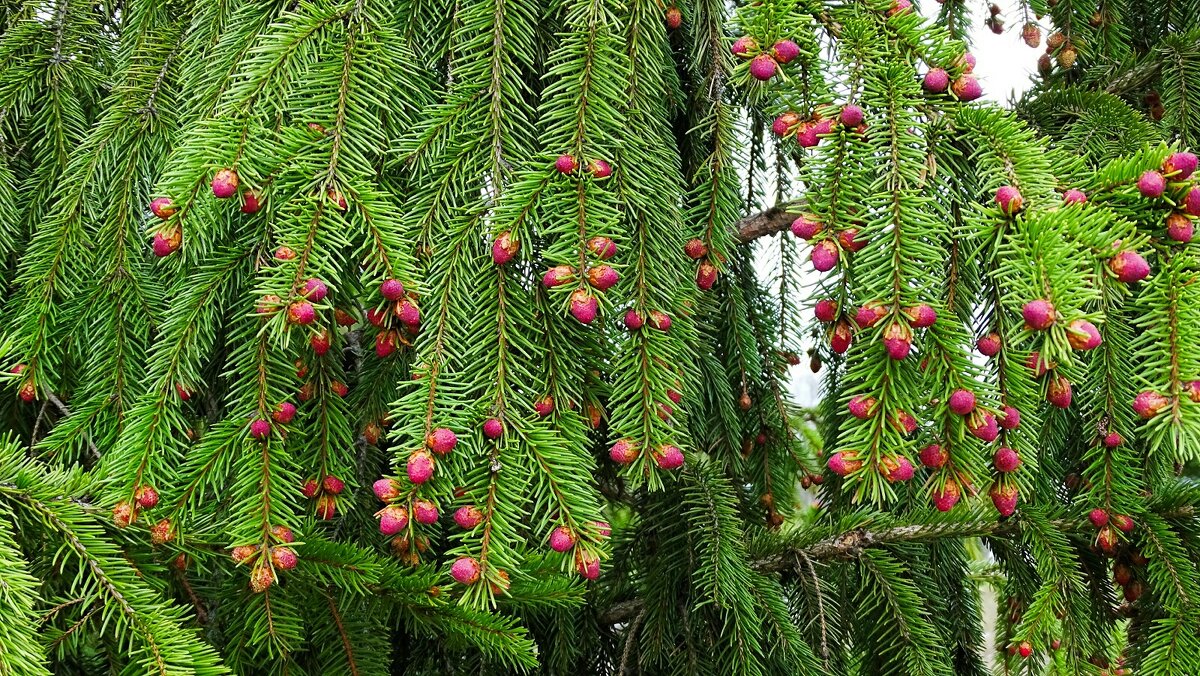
(850, 544)
(1134, 77)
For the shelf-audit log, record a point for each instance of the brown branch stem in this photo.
(850, 544)
(773, 220)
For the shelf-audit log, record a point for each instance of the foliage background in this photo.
(440, 123)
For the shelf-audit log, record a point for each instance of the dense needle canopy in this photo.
(426, 337)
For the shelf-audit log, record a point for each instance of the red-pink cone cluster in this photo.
(965, 88)
(764, 64)
(822, 122)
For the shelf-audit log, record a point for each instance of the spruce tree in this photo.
(426, 337)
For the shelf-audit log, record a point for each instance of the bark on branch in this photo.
(773, 220)
(850, 544)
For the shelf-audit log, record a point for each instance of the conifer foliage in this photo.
(369, 337)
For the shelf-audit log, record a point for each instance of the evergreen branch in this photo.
(723, 573)
(185, 338)
(888, 591)
(1172, 646)
(850, 544)
(347, 646)
(20, 651)
(136, 614)
(107, 586)
(498, 637)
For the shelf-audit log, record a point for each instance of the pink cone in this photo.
(558, 275)
(989, 345)
(468, 516)
(984, 428)
(633, 320)
(425, 511)
(1183, 162)
(504, 248)
(1006, 460)
(1058, 392)
(936, 81)
(1005, 499)
(967, 88)
(1179, 228)
(1009, 199)
(623, 452)
(301, 312)
(1152, 184)
(392, 289)
(465, 570)
(949, 495)
(1083, 335)
(162, 207)
(862, 406)
(1009, 418)
(660, 320)
(1148, 404)
(669, 457)
(896, 469)
(1039, 314)
(441, 440)
(284, 413)
(1191, 202)
(763, 67)
(851, 116)
(843, 463)
(869, 315)
(561, 539)
(933, 456)
(566, 164)
(826, 310)
(393, 519)
(419, 467)
(921, 316)
(784, 51)
(493, 428)
(806, 226)
(225, 183)
(962, 401)
(386, 489)
(1129, 267)
(584, 306)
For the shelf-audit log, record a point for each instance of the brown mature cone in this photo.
(1134, 590)
(747, 448)
(1045, 65)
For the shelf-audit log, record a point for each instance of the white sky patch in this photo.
(1005, 63)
